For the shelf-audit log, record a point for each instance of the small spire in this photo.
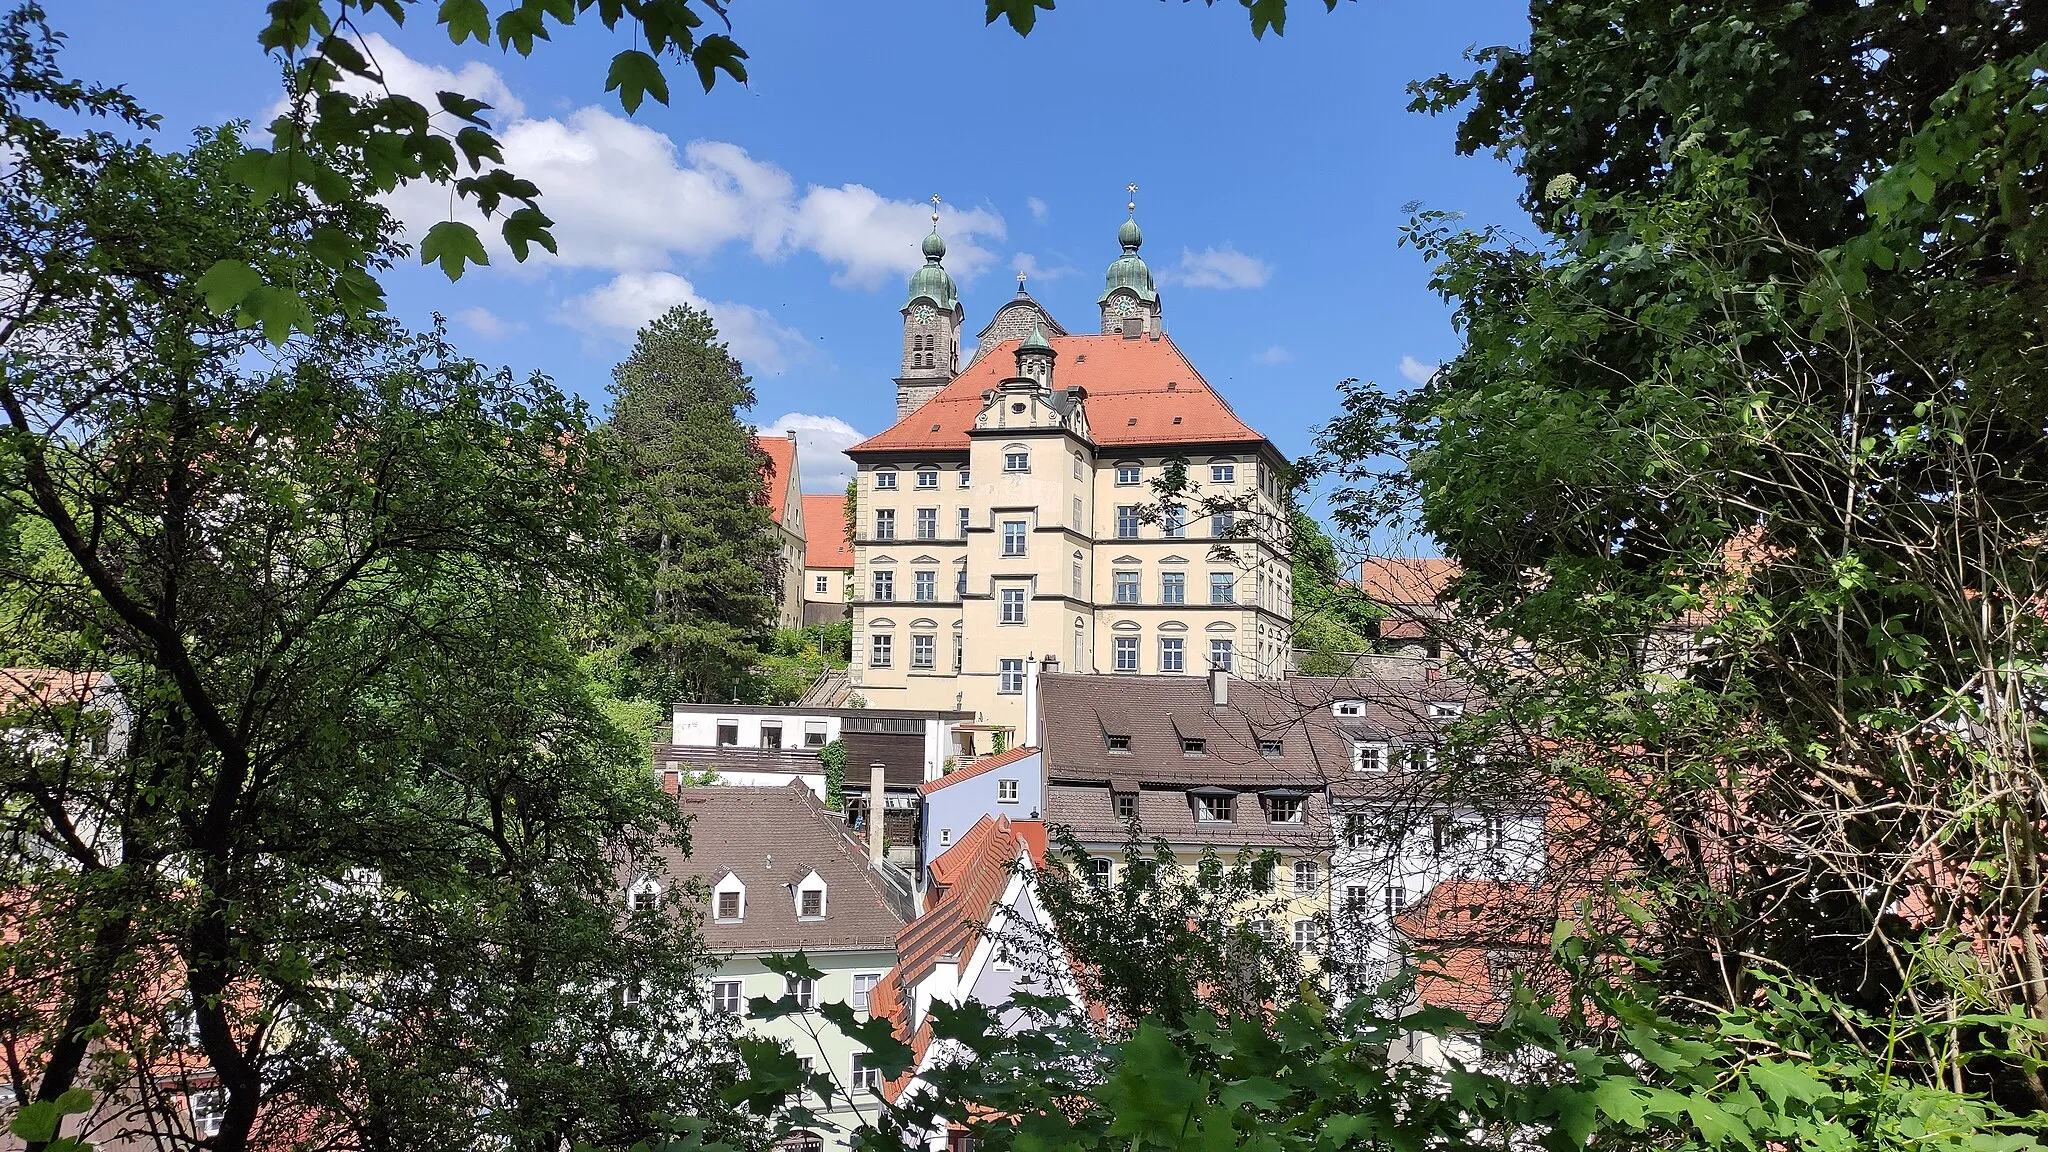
(1020, 284)
(934, 245)
(1132, 188)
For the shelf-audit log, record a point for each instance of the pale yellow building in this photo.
(828, 560)
(785, 494)
(1087, 499)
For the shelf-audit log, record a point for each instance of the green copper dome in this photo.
(1035, 342)
(931, 281)
(1128, 270)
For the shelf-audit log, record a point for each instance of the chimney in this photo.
(877, 807)
(1219, 688)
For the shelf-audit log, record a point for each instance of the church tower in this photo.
(1130, 302)
(932, 318)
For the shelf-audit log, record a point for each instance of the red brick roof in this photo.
(781, 452)
(1140, 392)
(825, 533)
(973, 874)
(980, 767)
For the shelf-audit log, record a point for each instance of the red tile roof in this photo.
(1140, 392)
(972, 874)
(1395, 580)
(51, 687)
(825, 533)
(980, 767)
(781, 452)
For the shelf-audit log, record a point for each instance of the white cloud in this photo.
(405, 76)
(1039, 209)
(1415, 370)
(486, 323)
(875, 240)
(1272, 355)
(1028, 264)
(821, 444)
(618, 308)
(1223, 267)
(624, 198)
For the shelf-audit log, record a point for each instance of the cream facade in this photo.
(1087, 500)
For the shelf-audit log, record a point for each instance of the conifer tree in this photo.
(696, 510)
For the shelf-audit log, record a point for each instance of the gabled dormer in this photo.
(729, 900)
(809, 894)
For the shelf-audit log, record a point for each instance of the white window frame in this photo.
(1173, 654)
(729, 996)
(1013, 601)
(924, 473)
(864, 985)
(885, 479)
(1009, 677)
(1124, 656)
(1021, 537)
(803, 990)
(1368, 756)
(1016, 461)
(1006, 791)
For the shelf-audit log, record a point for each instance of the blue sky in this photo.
(1272, 178)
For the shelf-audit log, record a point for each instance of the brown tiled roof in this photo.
(980, 767)
(1412, 581)
(825, 533)
(771, 838)
(1089, 812)
(781, 452)
(1140, 392)
(1157, 713)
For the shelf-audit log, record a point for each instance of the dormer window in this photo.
(1283, 809)
(729, 900)
(810, 897)
(1214, 807)
(645, 896)
(1272, 749)
(1353, 708)
(1118, 743)
(1368, 757)
(1193, 746)
(1445, 709)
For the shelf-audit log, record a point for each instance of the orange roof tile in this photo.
(51, 687)
(781, 452)
(980, 767)
(1140, 392)
(825, 533)
(1394, 580)
(973, 873)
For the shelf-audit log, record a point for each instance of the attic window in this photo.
(1118, 743)
(1272, 748)
(1193, 746)
(1133, 422)
(935, 427)
(1173, 385)
(1445, 709)
(1176, 419)
(1017, 407)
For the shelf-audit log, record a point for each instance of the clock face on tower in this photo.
(1125, 306)
(924, 315)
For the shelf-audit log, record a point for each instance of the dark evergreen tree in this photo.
(696, 510)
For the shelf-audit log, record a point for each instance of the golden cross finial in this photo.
(1132, 188)
(935, 210)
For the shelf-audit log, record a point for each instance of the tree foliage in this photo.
(1332, 617)
(1748, 446)
(357, 861)
(695, 509)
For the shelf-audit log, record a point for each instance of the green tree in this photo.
(363, 851)
(695, 509)
(1747, 444)
(1331, 615)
